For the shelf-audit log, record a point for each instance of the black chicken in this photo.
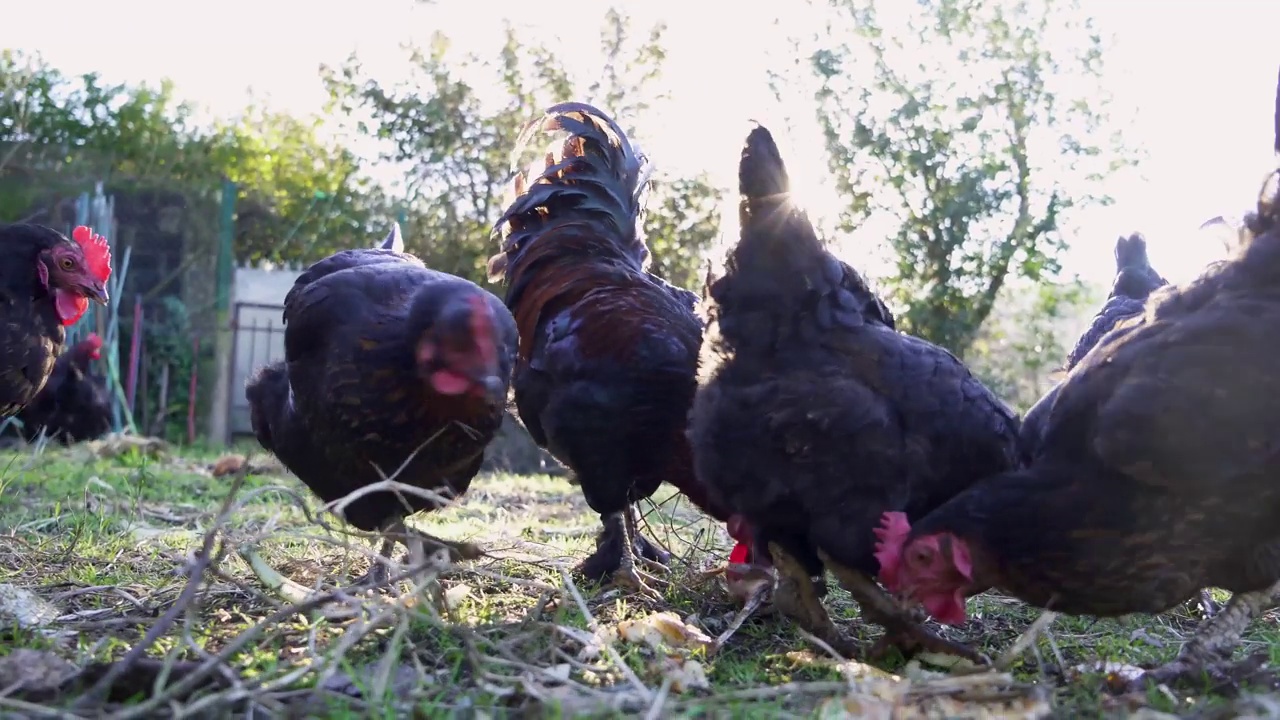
(46, 282)
(819, 415)
(1135, 280)
(387, 363)
(608, 356)
(75, 405)
(1157, 472)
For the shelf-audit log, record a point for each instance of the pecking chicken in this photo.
(1135, 280)
(817, 415)
(607, 365)
(387, 364)
(46, 282)
(1156, 476)
(75, 404)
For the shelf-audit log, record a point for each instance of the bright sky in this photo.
(1201, 74)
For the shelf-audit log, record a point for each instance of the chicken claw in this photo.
(458, 550)
(911, 636)
(799, 598)
(1210, 648)
(378, 574)
(417, 543)
(627, 574)
(904, 628)
(1208, 607)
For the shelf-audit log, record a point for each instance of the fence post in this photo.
(219, 410)
(226, 233)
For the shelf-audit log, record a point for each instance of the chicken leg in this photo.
(416, 543)
(799, 598)
(1210, 648)
(628, 574)
(904, 628)
(1208, 607)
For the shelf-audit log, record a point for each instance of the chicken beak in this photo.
(97, 292)
(495, 391)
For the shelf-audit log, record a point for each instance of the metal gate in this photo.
(257, 339)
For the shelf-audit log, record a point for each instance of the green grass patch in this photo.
(103, 536)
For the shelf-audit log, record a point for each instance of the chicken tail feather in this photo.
(780, 284)
(762, 176)
(1267, 215)
(1131, 252)
(773, 228)
(592, 185)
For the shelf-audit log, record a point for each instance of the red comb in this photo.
(740, 553)
(97, 253)
(93, 340)
(893, 531)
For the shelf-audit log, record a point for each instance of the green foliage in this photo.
(301, 196)
(1025, 341)
(454, 140)
(977, 168)
(166, 341)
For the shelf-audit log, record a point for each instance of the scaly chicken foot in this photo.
(1209, 650)
(627, 574)
(379, 574)
(418, 545)
(799, 598)
(903, 627)
(1208, 607)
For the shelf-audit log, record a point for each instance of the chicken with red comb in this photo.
(390, 368)
(1155, 478)
(608, 357)
(46, 282)
(818, 415)
(75, 404)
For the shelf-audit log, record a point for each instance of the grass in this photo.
(107, 533)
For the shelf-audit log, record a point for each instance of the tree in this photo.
(1024, 342)
(302, 197)
(975, 168)
(455, 144)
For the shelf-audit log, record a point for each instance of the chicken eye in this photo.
(921, 556)
(66, 264)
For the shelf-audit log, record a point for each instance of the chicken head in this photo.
(935, 570)
(458, 353)
(76, 272)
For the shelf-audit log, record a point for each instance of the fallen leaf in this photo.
(855, 706)
(25, 609)
(989, 696)
(685, 675)
(454, 596)
(228, 465)
(663, 628)
(952, 663)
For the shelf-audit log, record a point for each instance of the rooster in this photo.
(1156, 476)
(46, 283)
(393, 368)
(607, 365)
(75, 404)
(818, 415)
